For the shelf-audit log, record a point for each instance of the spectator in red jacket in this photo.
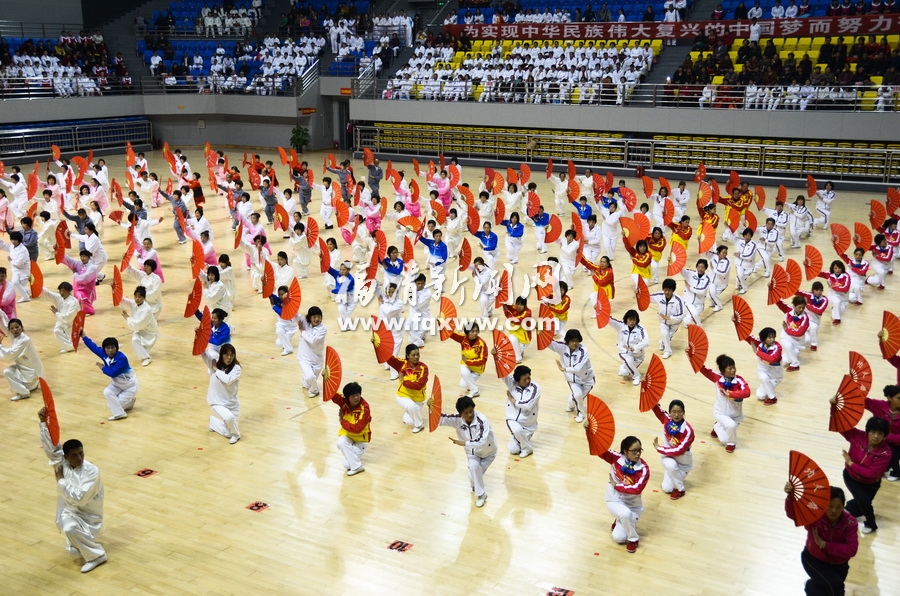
(867, 459)
(831, 541)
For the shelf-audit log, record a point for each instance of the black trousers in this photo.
(863, 495)
(825, 579)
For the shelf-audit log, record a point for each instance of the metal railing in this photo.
(659, 96)
(33, 30)
(771, 159)
(79, 137)
(193, 32)
(25, 88)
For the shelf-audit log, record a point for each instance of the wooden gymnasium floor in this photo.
(187, 528)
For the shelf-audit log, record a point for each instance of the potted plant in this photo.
(299, 138)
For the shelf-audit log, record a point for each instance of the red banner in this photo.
(874, 24)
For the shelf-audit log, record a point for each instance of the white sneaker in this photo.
(234, 439)
(479, 502)
(570, 408)
(667, 355)
(358, 470)
(525, 453)
(717, 309)
(313, 394)
(636, 380)
(73, 552)
(91, 565)
(866, 530)
(394, 375)
(145, 362)
(419, 429)
(579, 418)
(473, 394)
(286, 352)
(892, 478)
(19, 397)
(119, 417)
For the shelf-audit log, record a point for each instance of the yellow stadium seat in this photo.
(718, 80)
(867, 103)
(877, 80)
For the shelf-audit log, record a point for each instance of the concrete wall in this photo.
(842, 126)
(42, 11)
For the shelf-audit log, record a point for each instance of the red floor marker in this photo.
(400, 546)
(258, 506)
(145, 473)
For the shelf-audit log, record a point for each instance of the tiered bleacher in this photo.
(72, 65)
(234, 18)
(794, 73)
(585, 71)
(541, 11)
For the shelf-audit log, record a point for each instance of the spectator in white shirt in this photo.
(756, 12)
(778, 10)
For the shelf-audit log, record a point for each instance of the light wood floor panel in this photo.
(186, 529)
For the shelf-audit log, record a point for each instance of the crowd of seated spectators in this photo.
(531, 12)
(798, 9)
(829, 75)
(305, 19)
(529, 72)
(235, 18)
(72, 65)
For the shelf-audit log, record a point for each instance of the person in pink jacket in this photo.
(867, 459)
(889, 409)
(831, 541)
(441, 183)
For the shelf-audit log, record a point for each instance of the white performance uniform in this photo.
(143, 326)
(768, 244)
(579, 375)
(675, 311)
(79, 503)
(153, 284)
(593, 243)
(522, 415)
(627, 509)
(486, 294)
(311, 354)
(419, 311)
(745, 252)
(26, 368)
(696, 287)
(222, 397)
(20, 263)
(609, 229)
(721, 271)
(66, 309)
(824, 199)
(630, 344)
(481, 448)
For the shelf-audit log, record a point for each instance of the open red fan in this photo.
(331, 374)
(794, 277)
(601, 426)
(453, 172)
(465, 255)
(382, 339)
(467, 195)
(414, 224)
(602, 309)
(512, 177)
(862, 236)
(60, 254)
(653, 385)
(663, 183)
(893, 200)
(810, 492)
(368, 157)
(50, 406)
(889, 342)
(291, 304)
(409, 255)
(499, 211)
(549, 167)
(577, 227)
(546, 329)
(77, 326)
(698, 347)
(734, 180)
(706, 238)
(238, 235)
(629, 198)
(668, 212)
(197, 258)
(473, 221)
(118, 289)
(37, 280)
(448, 314)
(570, 169)
(524, 174)
(677, 259)
(282, 220)
(778, 285)
(268, 280)
(504, 289)
(751, 220)
(202, 333)
(534, 203)
(700, 172)
(860, 371)
(704, 196)
(380, 245)
(642, 294)
(840, 238)
(342, 211)
(647, 183)
(811, 187)
(435, 405)
(416, 167)
(116, 216)
(812, 262)
(193, 301)
(505, 358)
(760, 198)
(324, 256)
(732, 219)
(554, 229)
(849, 406)
(742, 317)
(643, 225)
(877, 215)
(372, 269)
(631, 231)
(312, 232)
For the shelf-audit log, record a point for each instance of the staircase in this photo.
(120, 37)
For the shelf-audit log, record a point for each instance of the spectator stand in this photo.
(234, 19)
(541, 11)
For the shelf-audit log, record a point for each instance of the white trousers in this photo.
(715, 295)
(225, 421)
(792, 346)
(20, 381)
(521, 437)
(20, 283)
(118, 400)
(813, 333)
(63, 334)
(857, 283)
(80, 535)
(284, 333)
(468, 379)
(513, 246)
(310, 373)
(742, 272)
(631, 362)
(142, 343)
(567, 273)
(540, 232)
(654, 270)
(769, 378)
(519, 348)
(477, 467)
(666, 332)
(486, 301)
(346, 308)
(352, 452)
(627, 517)
(490, 257)
(878, 272)
(824, 219)
(839, 302)
(577, 397)
(412, 411)
(694, 307)
(610, 245)
(675, 469)
(726, 428)
(765, 261)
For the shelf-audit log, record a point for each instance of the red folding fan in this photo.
(812, 262)
(193, 301)
(50, 407)
(840, 238)
(382, 339)
(435, 405)
(653, 385)
(677, 259)
(202, 333)
(889, 340)
(778, 285)
(810, 492)
(848, 408)
(742, 317)
(861, 371)
(698, 346)
(600, 426)
(505, 358)
(331, 374)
